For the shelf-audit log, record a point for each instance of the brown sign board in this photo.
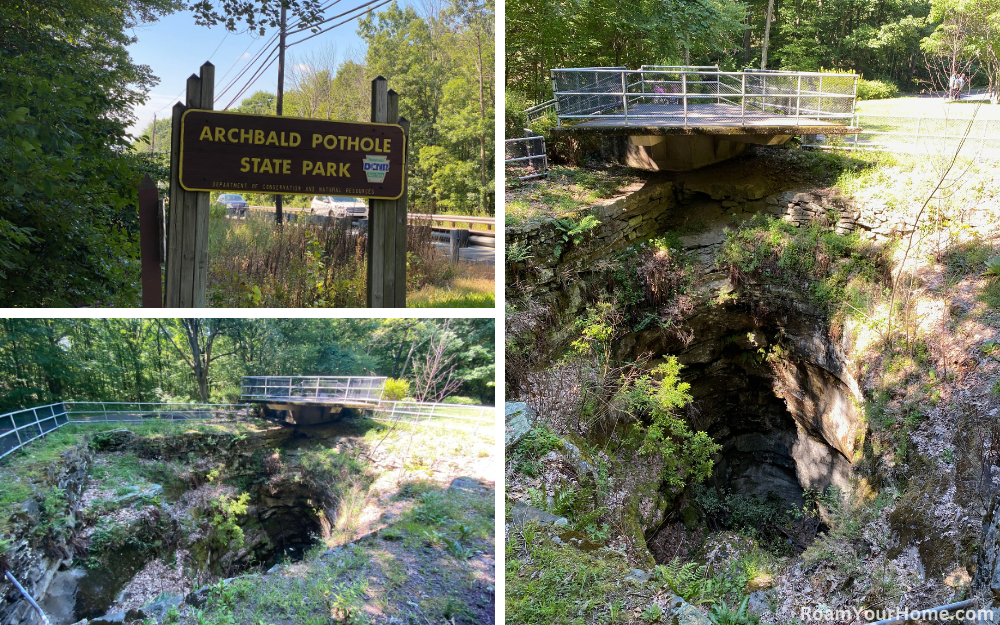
(223, 151)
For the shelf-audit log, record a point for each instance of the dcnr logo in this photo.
(375, 167)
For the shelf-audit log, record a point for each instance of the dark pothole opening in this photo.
(770, 409)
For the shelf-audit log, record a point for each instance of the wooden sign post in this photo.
(223, 151)
(387, 223)
(187, 225)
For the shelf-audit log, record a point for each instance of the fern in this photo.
(572, 232)
(688, 580)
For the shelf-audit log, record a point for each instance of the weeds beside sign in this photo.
(290, 155)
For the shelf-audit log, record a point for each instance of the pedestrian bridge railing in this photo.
(462, 417)
(926, 135)
(313, 388)
(21, 427)
(526, 157)
(686, 95)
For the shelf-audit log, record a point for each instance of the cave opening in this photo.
(773, 393)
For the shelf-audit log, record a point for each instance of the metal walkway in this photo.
(685, 100)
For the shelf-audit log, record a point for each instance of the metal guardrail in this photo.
(527, 151)
(31, 601)
(925, 135)
(21, 427)
(661, 93)
(312, 388)
(463, 417)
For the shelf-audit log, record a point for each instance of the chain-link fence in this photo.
(924, 135)
(700, 96)
(525, 158)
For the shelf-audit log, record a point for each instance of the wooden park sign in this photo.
(291, 155)
(219, 151)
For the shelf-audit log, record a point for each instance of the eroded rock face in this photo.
(771, 386)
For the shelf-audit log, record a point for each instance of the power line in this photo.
(238, 59)
(250, 64)
(252, 80)
(369, 10)
(329, 19)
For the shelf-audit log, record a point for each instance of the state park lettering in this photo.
(253, 136)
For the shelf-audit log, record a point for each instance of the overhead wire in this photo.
(329, 19)
(252, 80)
(268, 61)
(381, 3)
(268, 47)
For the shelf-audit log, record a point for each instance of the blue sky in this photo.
(175, 47)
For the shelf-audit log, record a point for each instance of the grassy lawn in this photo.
(926, 106)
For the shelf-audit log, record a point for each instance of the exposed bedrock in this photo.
(771, 386)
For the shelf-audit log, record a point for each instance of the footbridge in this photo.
(678, 118)
(308, 400)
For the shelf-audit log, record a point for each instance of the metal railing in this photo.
(675, 94)
(462, 417)
(21, 427)
(925, 135)
(313, 388)
(527, 152)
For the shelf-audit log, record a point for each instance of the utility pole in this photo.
(767, 34)
(281, 96)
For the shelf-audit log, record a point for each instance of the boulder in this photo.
(159, 609)
(467, 484)
(522, 513)
(687, 614)
(136, 494)
(520, 418)
(109, 619)
(637, 576)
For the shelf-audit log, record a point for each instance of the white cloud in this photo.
(303, 67)
(245, 55)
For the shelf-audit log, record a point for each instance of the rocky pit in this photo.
(125, 543)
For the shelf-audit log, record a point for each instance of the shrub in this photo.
(515, 120)
(395, 390)
(876, 90)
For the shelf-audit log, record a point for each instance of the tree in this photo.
(434, 373)
(200, 336)
(68, 225)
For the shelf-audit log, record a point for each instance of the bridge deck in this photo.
(710, 118)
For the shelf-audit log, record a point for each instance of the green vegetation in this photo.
(69, 184)
(843, 275)
(876, 90)
(150, 360)
(687, 455)
(439, 532)
(566, 190)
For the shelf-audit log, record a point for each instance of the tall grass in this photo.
(253, 263)
(302, 264)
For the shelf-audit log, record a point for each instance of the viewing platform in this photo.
(308, 400)
(678, 118)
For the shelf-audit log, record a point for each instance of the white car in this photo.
(339, 206)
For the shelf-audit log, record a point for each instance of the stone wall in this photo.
(843, 215)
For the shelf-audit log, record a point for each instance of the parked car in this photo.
(235, 205)
(339, 206)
